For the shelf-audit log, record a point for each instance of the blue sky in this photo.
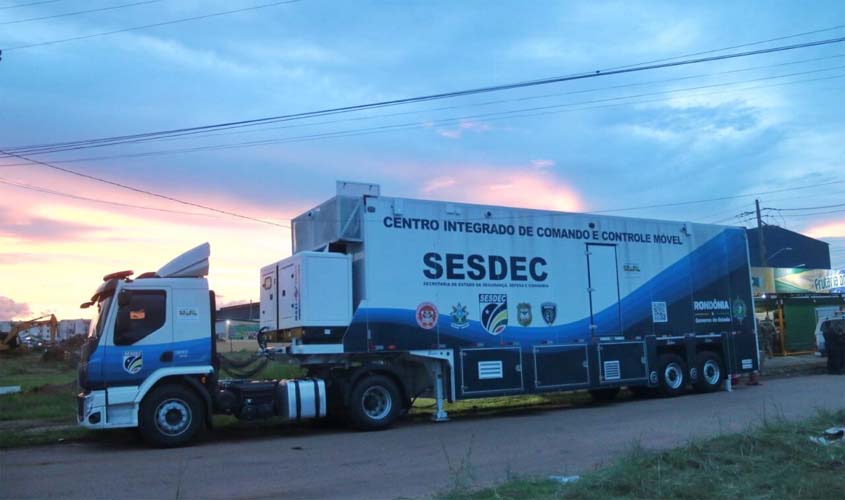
(727, 128)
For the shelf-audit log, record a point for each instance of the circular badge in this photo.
(427, 315)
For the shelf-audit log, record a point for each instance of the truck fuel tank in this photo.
(301, 399)
(294, 400)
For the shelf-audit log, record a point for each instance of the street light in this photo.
(227, 335)
(784, 249)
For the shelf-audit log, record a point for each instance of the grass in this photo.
(424, 406)
(29, 372)
(45, 410)
(273, 371)
(773, 460)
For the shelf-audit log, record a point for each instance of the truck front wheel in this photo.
(171, 415)
(374, 403)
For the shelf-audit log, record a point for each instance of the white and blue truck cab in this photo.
(387, 299)
(148, 343)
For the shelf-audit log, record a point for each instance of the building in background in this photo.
(66, 329)
(793, 284)
(238, 322)
(781, 247)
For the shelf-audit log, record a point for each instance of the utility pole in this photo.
(761, 243)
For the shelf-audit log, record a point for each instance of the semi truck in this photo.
(387, 299)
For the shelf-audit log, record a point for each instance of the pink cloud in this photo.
(9, 309)
(834, 229)
(542, 164)
(54, 249)
(23, 226)
(464, 126)
(522, 187)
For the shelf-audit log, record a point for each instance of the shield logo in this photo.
(494, 312)
(133, 361)
(460, 317)
(427, 315)
(740, 310)
(523, 313)
(549, 312)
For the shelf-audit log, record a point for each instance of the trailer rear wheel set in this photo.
(674, 374)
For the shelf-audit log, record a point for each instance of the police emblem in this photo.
(133, 361)
(523, 313)
(740, 310)
(549, 312)
(427, 315)
(494, 312)
(460, 317)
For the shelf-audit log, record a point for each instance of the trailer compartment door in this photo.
(603, 285)
(269, 296)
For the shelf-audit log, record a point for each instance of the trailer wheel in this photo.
(171, 415)
(374, 403)
(672, 375)
(711, 372)
(604, 395)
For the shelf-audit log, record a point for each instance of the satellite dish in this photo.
(191, 264)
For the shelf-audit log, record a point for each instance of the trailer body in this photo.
(526, 300)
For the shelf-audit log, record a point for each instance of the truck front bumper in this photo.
(91, 409)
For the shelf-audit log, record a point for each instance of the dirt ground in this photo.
(417, 458)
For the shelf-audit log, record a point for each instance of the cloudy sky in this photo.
(768, 124)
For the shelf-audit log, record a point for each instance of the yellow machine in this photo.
(10, 341)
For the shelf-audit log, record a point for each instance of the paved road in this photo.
(412, 460)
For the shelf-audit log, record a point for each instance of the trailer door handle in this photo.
(166, 357)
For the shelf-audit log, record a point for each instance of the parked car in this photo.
(821, 325)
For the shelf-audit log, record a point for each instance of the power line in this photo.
(180, 136)
(489, 117)
(814, 214)
(79, 12)
(431, 97)
(721, 198)
(806, 208)
(150, 193)
(144, 191)
(146, 26)
(751, 213)
(94, 200)
(779, 198)
(468, 105)
(751, 44)
(15, 6)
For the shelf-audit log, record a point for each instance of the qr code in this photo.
(658, 312)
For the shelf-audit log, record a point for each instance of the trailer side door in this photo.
(603, 279)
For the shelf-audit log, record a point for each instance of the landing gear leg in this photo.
(439, 414)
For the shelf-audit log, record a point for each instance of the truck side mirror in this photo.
(124, 298)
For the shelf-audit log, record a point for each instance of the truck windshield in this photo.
(98, 323)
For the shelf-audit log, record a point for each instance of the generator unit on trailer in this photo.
(386, 299)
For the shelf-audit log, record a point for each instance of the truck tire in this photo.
(711, 372)
(171, 415)
(604, 395)
(374, 403)
(672, 375)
